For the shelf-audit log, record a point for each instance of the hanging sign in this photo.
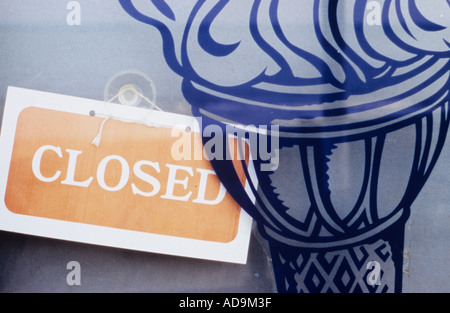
(110, 174)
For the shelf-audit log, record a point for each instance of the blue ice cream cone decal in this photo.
(361, 113)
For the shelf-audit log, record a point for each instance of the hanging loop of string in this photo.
(123, 97)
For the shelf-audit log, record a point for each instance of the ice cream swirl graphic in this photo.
(346, 94)
(301, 60)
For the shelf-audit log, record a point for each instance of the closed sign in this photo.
(128, 181)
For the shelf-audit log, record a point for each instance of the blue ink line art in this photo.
(344, 93)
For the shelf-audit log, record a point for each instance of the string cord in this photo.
(97, 140)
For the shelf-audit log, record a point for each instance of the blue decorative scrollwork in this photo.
(344, 94)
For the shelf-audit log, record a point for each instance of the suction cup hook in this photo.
(132, 88)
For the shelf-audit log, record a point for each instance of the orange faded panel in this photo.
(131, 181)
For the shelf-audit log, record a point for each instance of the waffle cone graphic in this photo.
(361, 115)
